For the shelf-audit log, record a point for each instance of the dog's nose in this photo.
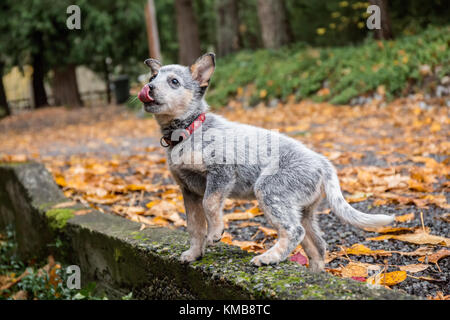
(144, 94)
(151, 86)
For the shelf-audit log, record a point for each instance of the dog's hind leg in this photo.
(218, 187)
(196, 226)
(285, 218)
(313, 243)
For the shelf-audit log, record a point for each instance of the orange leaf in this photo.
(268, 231)
(82, 212)
(418, 237)
(435, 257)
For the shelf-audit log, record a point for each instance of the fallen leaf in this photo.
(412, 268)
(360, 279)
(426, 278)
(246, 224)
(82, 212)
(268, 231)
(250, 246)
(299, 258)
(360, 249)
(435, 257)
(393, 230)
(160, 221)
(353, 269)
(64, 205)
(439, 296)
(418, 237)
(242, 215)
(422, 251)
(357, 197)
(226, 238)
(387, 279)
(405, 218)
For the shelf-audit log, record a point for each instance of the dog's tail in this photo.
(345, 211)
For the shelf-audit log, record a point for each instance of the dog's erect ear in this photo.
(153, 64)
(203, 69)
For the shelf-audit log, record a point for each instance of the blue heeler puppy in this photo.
(289, 183)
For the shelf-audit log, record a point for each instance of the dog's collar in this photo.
(166, 140)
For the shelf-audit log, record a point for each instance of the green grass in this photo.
(348, 71)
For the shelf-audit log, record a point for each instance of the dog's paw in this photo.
(214, 237)
(264, 259)
(190, 256)
(317, 266)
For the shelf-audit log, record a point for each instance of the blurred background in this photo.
(268, 50)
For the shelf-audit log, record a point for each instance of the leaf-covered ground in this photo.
(391, 158)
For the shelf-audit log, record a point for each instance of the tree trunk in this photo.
(39, 95)
(4, 108)
(107, 81)
(275, 27)
(227, 27)
(65, 87)
(385, 32)
(187, 29)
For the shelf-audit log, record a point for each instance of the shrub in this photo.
(335, 74)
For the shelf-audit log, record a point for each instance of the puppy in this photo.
(213, 159)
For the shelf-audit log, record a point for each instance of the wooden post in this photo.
(152, 30)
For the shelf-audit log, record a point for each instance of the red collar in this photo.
(185, 133)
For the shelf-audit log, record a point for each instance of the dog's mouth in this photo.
(149, 102)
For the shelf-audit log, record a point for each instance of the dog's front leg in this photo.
(218, 187)
(196, 226)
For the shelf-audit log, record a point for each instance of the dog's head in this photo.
(174, 89)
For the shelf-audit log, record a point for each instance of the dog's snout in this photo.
(151, 87)
(144, 95)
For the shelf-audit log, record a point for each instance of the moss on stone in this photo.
(58, 217)
(117, 254)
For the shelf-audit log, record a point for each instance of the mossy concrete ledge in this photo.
(119, 257)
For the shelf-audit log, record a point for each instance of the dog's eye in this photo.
(175, 82)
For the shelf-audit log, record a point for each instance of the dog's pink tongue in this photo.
(144, 95)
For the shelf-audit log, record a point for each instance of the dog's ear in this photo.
(203, 68)
(153, 64)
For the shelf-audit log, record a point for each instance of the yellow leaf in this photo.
(405, 217)
(160, 221)
(360, 249)
(255, 211)
(388, 279)
(152, 203)
(435, 127)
